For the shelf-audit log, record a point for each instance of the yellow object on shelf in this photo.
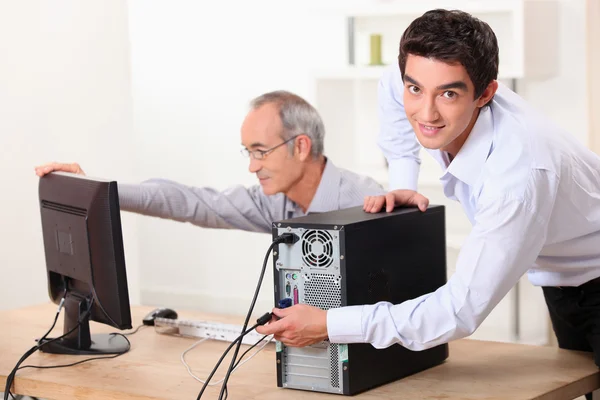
(376, 50)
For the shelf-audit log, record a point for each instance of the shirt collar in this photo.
(469, 162)
(327, 195)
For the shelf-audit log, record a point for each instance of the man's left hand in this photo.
(298, 326)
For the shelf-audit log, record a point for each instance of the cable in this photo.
(239, 338)
(82, 361)
(112, 321)
(261, 321)
(60, 306)
(288, 238)
(237, 348)
(10, 378)
(133, 332)
(238, 364)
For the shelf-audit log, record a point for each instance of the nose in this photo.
(429, 112)
(254, 166)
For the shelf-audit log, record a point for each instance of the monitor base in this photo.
(110, 343)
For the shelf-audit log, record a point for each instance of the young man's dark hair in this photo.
(453, 37)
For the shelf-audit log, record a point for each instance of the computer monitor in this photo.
(85, 262)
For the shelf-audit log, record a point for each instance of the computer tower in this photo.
(350, 257)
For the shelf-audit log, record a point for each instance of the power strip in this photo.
(204, 329)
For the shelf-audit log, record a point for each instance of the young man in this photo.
(283, 137)
(531, 192)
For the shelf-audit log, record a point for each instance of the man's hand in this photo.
(374, 204)
(298, 326)
(47, 168)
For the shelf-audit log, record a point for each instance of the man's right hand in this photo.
(374, 204)
(47, 168)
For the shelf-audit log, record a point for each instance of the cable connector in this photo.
(287, 238)
(264, 319)
(60, 305)
(284, 303)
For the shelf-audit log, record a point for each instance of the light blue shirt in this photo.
(240, 207)
(532, 193)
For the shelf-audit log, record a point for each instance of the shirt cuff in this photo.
(344, 325)
(404, 174)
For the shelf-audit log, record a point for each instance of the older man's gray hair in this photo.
(297, 117)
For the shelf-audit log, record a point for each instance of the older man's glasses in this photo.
(261, 154)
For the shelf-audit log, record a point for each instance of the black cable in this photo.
(10, 378)
(238, 339)
(82, 361)
(242, 357)
(112, 321)
(60, 306)
(237, 348)
(132, 332)
(248, 350)
(62, 302)
(288, 238)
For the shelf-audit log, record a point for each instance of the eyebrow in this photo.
(452, 85)
(256, 144)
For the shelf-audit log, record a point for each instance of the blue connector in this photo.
(284, 303)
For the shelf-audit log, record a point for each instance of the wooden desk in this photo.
(152, 369)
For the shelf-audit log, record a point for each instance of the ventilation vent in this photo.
(63, 208)
(322, 291)
(317, 248)
(335, 365)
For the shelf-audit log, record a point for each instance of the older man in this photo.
(283, 137)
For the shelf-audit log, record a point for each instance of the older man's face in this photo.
(279, 170)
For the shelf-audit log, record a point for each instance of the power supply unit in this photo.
(350, 257)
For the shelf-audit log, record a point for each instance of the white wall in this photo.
(593, 72)
(196, 66)
(564, 97)
(64, 95)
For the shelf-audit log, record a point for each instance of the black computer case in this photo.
(350, 257)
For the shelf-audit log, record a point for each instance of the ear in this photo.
(487, 94)
(302, 147)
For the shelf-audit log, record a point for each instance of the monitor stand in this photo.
(80, 341)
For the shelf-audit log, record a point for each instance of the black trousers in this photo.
(575, 315)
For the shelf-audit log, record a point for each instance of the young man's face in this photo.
(439, 102)
(279, 170)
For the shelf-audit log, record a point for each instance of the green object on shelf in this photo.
(376, 50)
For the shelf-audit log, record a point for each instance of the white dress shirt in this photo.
(531, 192)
